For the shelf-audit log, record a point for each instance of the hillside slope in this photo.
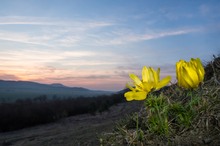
(77, 130)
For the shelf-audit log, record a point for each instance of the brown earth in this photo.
(72, 131)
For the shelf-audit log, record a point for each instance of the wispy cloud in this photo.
(47, 31)
(67, 33)
(124, 38)
(74, 34)
(22, 20)
(15, 20)
(35, 56)
(26, 38)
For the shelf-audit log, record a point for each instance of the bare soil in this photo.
(72, 131)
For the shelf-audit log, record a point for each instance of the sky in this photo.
(96, 43)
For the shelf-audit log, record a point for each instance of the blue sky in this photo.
(97, 43)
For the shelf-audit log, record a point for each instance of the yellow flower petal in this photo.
(182, 82)
(135, 79)
(163, 82)
(178, 69)
(145, 74)
(189, 74)
(201, 71)
(179, 74)
(158, 73)
(155, 75)
(151, 74)
(130, 87)
(139, 87)
(140, 95)
(148, 86)
(130, 95)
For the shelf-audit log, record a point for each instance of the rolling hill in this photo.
(13, 90)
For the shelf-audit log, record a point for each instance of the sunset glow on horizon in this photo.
(96, 44)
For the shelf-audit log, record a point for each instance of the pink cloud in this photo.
(4, 76)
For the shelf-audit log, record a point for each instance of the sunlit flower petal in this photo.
(163, 82)
(136, 80)
(148, 86)
(145, 74)
(201, 70)
(189, 74)
(151, 74)
(158, 73)
(155, 75)
(130, 95)
(150, 81)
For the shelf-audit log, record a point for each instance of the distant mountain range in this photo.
(12, 90)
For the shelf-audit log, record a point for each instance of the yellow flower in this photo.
(189, 74)
(150, 81)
